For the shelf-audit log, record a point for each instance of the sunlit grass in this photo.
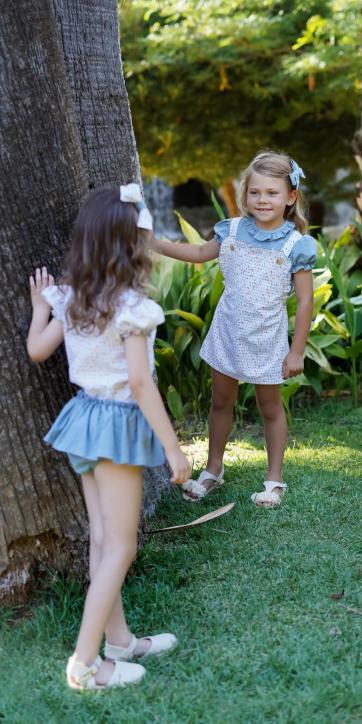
(248, 596)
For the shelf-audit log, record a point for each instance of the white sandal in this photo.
(81, 677)
(160, 644)
(196, 487)
(268, 499)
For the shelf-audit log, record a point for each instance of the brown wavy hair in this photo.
(108, 254)
(278, 165)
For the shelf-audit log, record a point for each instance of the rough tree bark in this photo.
(48, 162)
(91, 50)
(89, 32)
(43, 177)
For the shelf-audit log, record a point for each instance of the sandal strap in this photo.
(119, 652)
(160, 644)
(196, 487)
(84, 675)
(125, 673)
(205, 475)
(270, 484)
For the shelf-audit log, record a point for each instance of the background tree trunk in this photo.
(89, 31)
(357, 150)
(47, 164)
(227, 193)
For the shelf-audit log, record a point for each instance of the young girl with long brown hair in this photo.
(262, 254)
(117, 422)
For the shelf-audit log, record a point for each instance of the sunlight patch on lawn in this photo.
(331, 456)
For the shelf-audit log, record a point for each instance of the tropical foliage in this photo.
(347, 302)
(189, 294)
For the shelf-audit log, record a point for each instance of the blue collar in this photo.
(266, 234)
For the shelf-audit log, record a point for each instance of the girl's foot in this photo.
(141, 648)
(194, 490)
(102, 674)
(271, 495)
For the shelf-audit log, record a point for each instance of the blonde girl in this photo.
(262, 255)
(117, 422)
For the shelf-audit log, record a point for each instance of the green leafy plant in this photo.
(188, 295)
(349, 319)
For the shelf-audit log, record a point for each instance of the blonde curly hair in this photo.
(277, 165)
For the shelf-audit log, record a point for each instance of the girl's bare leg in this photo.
(116, 630)
(224, 395)
(116, 621)
(119, 490)
(270, 406)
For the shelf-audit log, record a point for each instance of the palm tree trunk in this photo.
(89, 32)
(91, 49)
(48, 162)
(43, 178)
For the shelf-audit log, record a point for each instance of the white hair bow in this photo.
(131, 193)
(296, 174)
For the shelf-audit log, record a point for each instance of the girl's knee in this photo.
(224, 392)
(96, 538)
(124, 551)
(271, 409)
(222, 402)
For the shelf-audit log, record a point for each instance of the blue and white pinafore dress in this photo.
(248, 337)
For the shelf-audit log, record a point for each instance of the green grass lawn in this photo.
(248, 596)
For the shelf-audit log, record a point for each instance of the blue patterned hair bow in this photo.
(131, 193)
(296, 174)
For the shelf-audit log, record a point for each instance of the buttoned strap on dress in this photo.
(248, 337)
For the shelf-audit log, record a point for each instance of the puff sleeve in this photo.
(221, 230)
(304, 254)
(138, 315)
(56, 298)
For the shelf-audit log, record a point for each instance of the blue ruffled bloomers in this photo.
(89, 429)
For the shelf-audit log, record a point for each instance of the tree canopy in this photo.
(211, 82)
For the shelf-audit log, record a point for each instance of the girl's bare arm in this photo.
(44, 337)
(195, 253)
(303, 285)
(149, 400)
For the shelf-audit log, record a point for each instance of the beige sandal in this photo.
(82, 677)
(198, 489)
(268, 499)
(160, 644)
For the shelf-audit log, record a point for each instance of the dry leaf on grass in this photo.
(204, 518)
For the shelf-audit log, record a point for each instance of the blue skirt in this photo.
(90, 429)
